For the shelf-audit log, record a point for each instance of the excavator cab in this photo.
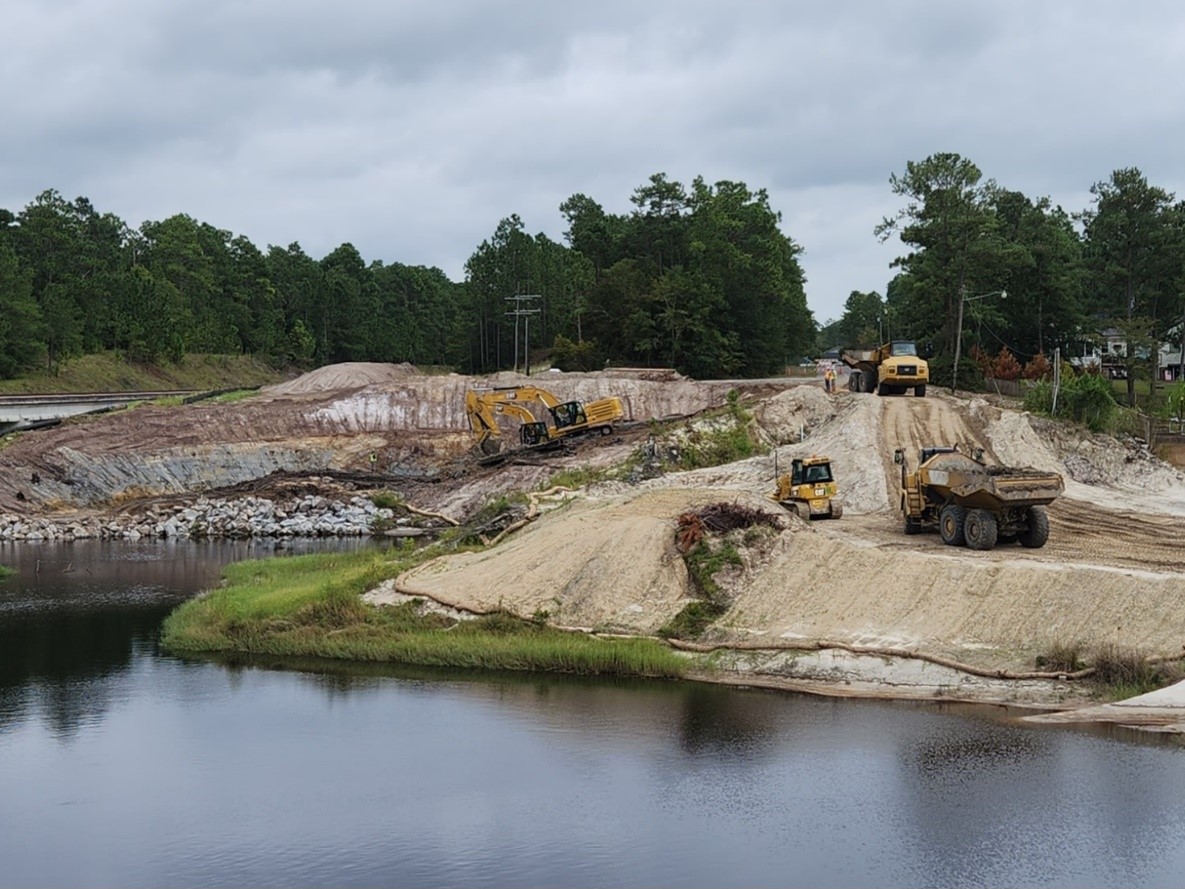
(570, 413)
(530, 434)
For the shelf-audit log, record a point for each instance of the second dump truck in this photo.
(892, 369)
(973, 504)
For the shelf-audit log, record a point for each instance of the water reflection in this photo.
(119, 766)
(75, 614)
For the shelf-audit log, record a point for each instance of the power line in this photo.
(520, 312)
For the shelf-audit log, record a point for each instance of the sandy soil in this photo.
(1112, 572)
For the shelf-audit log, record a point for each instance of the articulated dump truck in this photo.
(975, 504)
(892, 369)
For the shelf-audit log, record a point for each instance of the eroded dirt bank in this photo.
(808, 598)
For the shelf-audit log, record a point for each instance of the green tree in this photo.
(298, 281)
(21, 326)
(1132, 250)
(862, 325)
(950, 223)
(1044, 276)
(350, 306)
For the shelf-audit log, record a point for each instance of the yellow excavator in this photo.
(809, 489)
(485, 407)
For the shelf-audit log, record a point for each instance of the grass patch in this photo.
(576, 477)
(111, 372)
(703, 561)
(6, 572)
(693, 621)
(233, 396)
(310, 606)
(1062, 657)
(386, 500)
(497, 506)
(1125, 673)
(728, 438)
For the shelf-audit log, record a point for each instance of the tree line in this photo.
(697, 278)
(1030, 277)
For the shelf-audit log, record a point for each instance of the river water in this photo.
(120, 766)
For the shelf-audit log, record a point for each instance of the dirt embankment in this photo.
(334, 418)
(1111, 573)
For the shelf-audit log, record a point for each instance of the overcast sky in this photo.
(411, 128)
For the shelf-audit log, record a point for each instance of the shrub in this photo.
(386, 500)
(727, 443)
(583, 355)
(1038, 368)
(1005, 366)
(1062, 658)
(1086, 399)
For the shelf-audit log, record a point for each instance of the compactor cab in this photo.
(809, 489)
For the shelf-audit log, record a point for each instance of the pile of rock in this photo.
(307, 516)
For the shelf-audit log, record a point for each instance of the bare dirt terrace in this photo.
(604, 557)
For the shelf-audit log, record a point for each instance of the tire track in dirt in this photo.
(914, 423)
(1089, 533)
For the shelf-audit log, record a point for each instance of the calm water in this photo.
(122, 767)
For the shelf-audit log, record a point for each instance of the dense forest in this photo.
(701, 279)
(1030, 276)
(697, 277)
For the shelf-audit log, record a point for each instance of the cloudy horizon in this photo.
(410, 130)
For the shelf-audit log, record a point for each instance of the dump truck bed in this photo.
(994, 487)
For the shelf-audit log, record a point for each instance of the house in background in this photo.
(1107, 353)
(1169, 361)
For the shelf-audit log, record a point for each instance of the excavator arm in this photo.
(483, 410)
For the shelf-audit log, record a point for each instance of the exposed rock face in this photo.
(308, 516)
(411, 422)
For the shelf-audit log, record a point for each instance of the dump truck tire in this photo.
(980, 529)
(868, 381)
(950, 525)
(912, 526)
(1037, 530)
(919, 391)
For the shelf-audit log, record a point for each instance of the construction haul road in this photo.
(604, 557)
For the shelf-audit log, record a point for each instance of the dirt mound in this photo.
(573, 565)
(349, 375)
(1108, 576)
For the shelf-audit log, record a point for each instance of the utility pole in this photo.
(1057, 377)
(520, 311)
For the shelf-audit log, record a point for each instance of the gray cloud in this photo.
(410, 129)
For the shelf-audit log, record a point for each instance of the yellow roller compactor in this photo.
(809, 489)
(975, 504)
